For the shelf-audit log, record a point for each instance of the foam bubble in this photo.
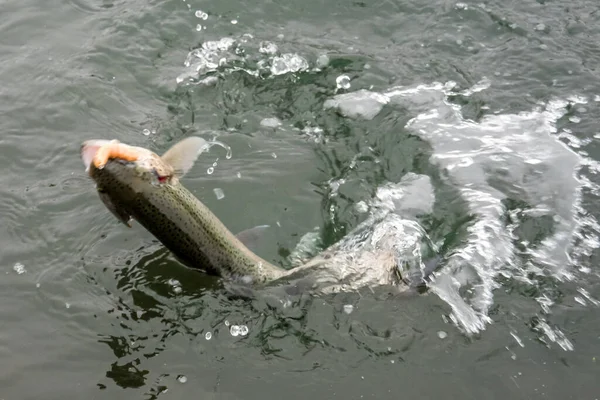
(19, 268)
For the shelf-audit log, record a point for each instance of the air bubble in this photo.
(198, 27)
(201, 14)
(226, 323)
(348, 308)
(442, 335)
(208, 336)
(175, 284)
(239, 174)
(234, 21)
(146, 132)
(210, 170)
(182, 379)
(343, 82)
(234, 330)
(273, 155)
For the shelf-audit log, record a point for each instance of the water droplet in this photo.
(182, 378)
(19, 268)
(442, 334)
(234, 21)
(146, 132)
(348, 308)
(208, 335)
(343, 82)
(198, 27)
(210, 170)
(219, 193)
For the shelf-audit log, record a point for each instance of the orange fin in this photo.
(114, 149)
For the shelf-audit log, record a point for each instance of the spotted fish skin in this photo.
(177, 218)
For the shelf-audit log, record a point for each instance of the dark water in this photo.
(91, 309)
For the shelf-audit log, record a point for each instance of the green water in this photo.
(89, 308)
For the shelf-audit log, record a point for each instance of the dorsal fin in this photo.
(182, 155)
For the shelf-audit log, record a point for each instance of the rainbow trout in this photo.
(135, 183)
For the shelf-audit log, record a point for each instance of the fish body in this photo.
(135, 183)
(148, 190)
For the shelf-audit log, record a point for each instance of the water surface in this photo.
(326, 106)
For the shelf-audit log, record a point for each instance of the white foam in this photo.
(360, 104)
(502, 155)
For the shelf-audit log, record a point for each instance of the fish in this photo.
(135, 183)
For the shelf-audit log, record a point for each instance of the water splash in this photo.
(500, 158)
(226, 55)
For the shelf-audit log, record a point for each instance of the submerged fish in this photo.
(135, 183)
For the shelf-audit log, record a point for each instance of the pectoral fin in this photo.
(118, 212)
(182, 155)
(252, 236)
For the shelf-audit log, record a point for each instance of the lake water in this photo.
(326, 106)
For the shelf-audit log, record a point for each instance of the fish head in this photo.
(121, 171)
(132, 165)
